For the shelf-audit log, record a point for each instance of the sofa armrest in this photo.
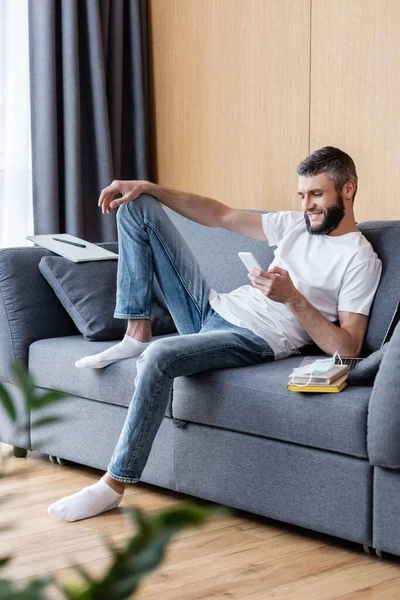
(383, 437)
(29, 309)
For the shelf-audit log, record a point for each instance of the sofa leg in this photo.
(369, 550)
(58, 460)
(19, 452)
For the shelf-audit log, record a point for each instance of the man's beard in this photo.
(333, 216)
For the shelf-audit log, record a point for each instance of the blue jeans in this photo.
(149, 242)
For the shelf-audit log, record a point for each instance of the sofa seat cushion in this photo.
(251, 400)
(255, 400)
(52, 365)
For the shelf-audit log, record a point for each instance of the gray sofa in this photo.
(327, 462)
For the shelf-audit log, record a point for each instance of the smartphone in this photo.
(249, 261)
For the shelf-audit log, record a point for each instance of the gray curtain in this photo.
(89, 109)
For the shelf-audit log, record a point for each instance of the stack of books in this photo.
(334, 380)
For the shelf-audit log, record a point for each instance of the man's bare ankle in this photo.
(140, 338)
(139, 329)
(117, 486)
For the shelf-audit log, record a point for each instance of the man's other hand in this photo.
(130, 190)
(275, 284)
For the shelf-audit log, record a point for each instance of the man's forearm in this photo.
(326, 335)
(205, 211)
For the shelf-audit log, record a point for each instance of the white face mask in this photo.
(318, 367)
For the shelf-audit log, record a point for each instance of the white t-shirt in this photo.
(334, 273)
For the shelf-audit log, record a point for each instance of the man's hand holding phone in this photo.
(275, 284)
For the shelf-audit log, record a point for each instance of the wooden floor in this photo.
(237, 557)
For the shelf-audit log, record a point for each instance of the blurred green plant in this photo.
(143, 552)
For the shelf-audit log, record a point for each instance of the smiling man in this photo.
(324, 272)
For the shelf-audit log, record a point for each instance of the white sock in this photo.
(128, 348)
(90, 501)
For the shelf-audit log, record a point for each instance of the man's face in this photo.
(323, 206)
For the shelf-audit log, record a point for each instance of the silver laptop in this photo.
(72, 247)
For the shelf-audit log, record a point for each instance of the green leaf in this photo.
(46, 421)
(34, 588)
(146, 549)
(33, 591)
(185, 515)
(7, 402)
(26, 384)
(111, 548)
(47, 398)
(84, 574)
(6, 589)
(23, 380)
(69, 591)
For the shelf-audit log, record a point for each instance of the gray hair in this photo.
(335, 163)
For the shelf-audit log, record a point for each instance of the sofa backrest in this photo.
(216, 250)
(384, 236)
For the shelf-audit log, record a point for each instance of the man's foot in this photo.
(128, 348)
(89, 502)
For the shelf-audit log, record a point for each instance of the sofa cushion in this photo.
(255, 400)
(87, 292)
(52, 365)
(366, 370)
(252, 400)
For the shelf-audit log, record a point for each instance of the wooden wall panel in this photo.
(355, 91)
(230, 98)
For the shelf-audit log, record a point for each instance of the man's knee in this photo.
(143, 204)
(158, 356)
(146, 201)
